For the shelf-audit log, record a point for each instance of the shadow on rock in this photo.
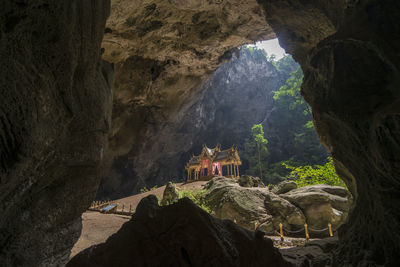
(181, 234)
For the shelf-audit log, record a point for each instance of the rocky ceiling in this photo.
(55, 105)
(163, 52)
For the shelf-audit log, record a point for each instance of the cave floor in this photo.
(96, 228)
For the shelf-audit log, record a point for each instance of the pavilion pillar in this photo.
(230, 171)
(234, 168)
(238, 170)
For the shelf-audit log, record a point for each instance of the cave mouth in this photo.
(57, 97)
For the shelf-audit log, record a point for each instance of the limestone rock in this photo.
(250, 181)
(171, 194)
(247, 206)
(180, 234)
(314, 253)
(349, 66)
(321, 204)
(283, 187)
(55, 115)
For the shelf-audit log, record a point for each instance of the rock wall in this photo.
(349, 53)
(55, 111)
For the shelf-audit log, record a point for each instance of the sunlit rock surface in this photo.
(250, 205)
(316, 205)
(283, 187)
(321, 204)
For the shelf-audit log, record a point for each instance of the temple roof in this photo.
(222, 155)
(215, 155)
(194, 160)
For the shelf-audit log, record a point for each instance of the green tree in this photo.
(291, 130)
(317, 174)
(291, 89)
(257, 149)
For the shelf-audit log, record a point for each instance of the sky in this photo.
(271, 47)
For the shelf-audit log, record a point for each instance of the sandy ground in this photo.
(97, 227)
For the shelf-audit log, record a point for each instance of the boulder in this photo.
(284, 187)
(248, 206)
(321, 204)
(250, 181)
(181, 234)
(171, 194)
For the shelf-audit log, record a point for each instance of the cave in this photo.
(70, 117)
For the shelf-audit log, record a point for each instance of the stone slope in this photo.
(316, 205)
(180, 234)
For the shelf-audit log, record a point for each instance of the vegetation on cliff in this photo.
(317, 174)
(288, 128)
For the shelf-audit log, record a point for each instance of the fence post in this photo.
(281, 231)
(234, 220)
(306, 230)
(130, 207)
(330, 229)
(255, 225)
(123, 207)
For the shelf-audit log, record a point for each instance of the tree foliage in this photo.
(291, 131)
(291, 90)
(197, 196)
(256, 150)
(317, 174)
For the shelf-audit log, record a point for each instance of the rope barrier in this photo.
(318, 231)
(306, 229)
(293, 232)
